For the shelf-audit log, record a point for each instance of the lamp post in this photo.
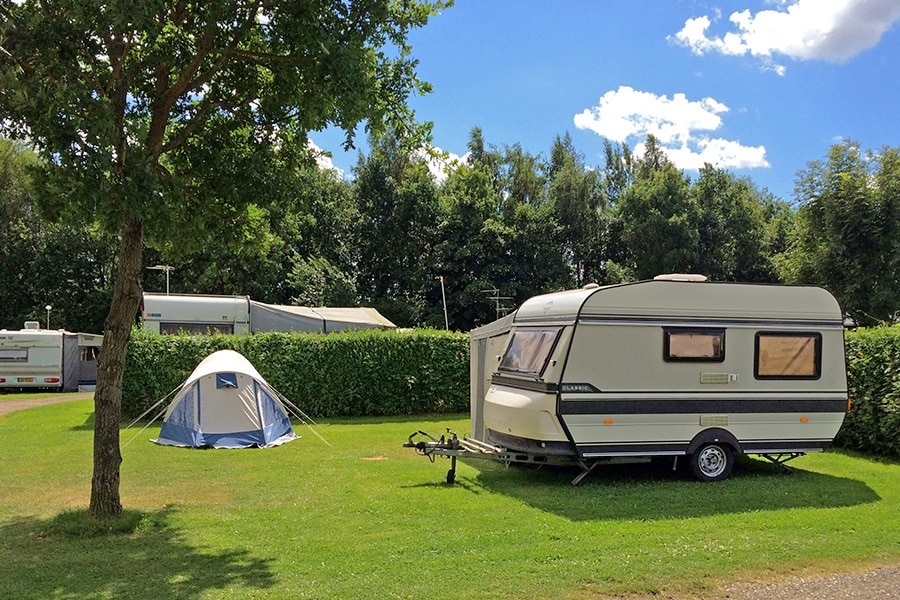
(48, 307)
(444, 298)
(167, 269)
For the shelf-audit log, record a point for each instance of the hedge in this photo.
(344, 374)
(873, 381)
(375, 373)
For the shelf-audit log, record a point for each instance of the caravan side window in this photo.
(14, 354)
(196, 328)
(529, 349)
(693, 345)
(788, 355)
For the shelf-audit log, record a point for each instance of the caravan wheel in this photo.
(712, 462)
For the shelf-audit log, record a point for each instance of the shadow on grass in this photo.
(876, 458)
(434, 423)
(655, 492)
(71, 556)
(88, 424)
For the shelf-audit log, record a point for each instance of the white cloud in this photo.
(440, 163)
(679, 124)
(829, 30)
(323, 159)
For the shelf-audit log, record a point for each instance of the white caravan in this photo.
(675, 366)
(33, 358)
(197, 314)
(164, 313)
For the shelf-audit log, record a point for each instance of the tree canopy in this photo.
(848, 235)
(168, 122)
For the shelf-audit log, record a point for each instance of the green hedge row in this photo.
(873, 379)
(376, 373)
(358, 373)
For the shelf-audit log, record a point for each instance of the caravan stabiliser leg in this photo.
(780, 459)
(587, 468)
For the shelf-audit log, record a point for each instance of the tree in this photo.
(65, 265)
(318, 229)
(731, 228)
(659, 217)
(472, 243)
(397, 203)
(18, 240)
(577, 198)
(848, 230)
(163, 121)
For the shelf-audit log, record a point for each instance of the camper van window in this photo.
(14, 354)
(529, 349)
(195, 328)
(694, 345)
(788, 355)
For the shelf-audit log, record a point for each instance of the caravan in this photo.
(676, 366)
(202, 314)
(34, 358)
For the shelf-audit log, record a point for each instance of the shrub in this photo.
(873, 380)
(357, 373)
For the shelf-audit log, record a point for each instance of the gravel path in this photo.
(882, 583)
(8, 406)
(876, 584)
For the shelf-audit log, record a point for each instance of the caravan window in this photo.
(14, 354)
(529, 349)
(695, 345)
(196, 328)
(787, 355)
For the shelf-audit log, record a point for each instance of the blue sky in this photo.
(757, 87)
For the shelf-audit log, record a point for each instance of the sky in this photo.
(757, 87)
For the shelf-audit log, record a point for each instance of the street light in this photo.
(48, 307)
(167, 269)
(444, 297)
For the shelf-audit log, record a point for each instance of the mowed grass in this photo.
(366, 518)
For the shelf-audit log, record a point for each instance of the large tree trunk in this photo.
(105, 499)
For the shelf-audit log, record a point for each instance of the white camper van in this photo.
(33, 358)
(675, 366)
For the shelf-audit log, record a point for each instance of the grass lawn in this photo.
(366, 518)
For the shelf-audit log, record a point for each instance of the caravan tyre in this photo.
(712, 462)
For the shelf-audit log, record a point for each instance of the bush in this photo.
(358, 373)
(873, 379)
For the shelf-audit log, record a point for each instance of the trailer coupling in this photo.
(452, 446)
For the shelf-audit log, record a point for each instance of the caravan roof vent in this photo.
(590, 286)
(32, 325)
(680, 277)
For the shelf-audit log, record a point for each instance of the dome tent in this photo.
(226, 403)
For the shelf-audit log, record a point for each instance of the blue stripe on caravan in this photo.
(676, 406)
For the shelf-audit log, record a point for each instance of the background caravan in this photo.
(675, 366)
(35, 358)
(206, 314)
